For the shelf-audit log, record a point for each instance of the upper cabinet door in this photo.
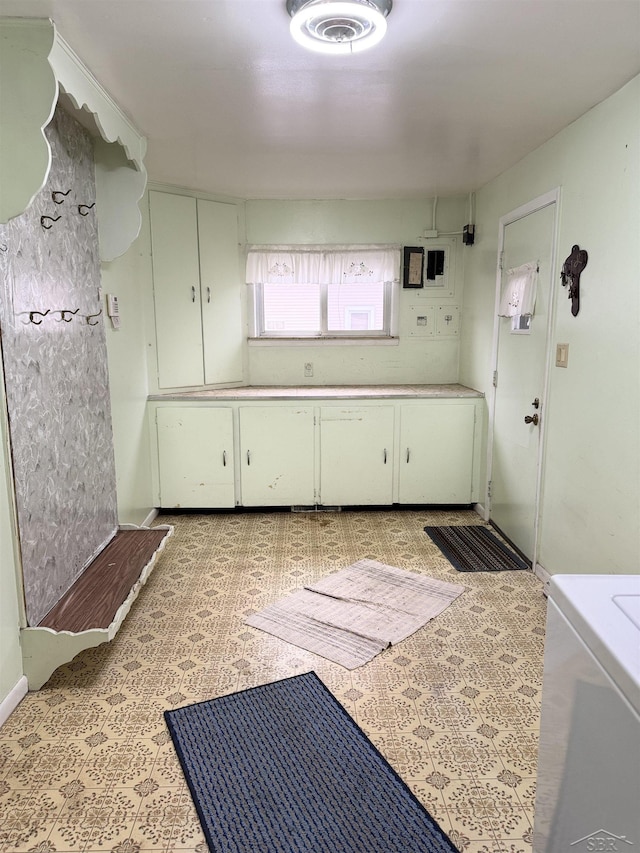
(176, 288)
(221, 289)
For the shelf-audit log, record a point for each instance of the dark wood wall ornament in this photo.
(570, 275)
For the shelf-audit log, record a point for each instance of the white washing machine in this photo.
(588, 786)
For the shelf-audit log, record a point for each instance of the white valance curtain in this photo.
(519, 293)
(324, 265)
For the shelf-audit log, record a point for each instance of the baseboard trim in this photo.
(479, 508)
(543, 575)
(150, 518)
(13, 699)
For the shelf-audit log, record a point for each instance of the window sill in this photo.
(373, 341)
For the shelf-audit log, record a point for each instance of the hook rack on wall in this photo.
(83, 209)
(58, 196)
(66, 316)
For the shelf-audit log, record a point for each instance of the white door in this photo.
(176, 289)
(356, 456)
(436, 453)
(277, 460)
(528, 236)
(195, 457)
(222, 330)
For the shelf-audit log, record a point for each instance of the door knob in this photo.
(531, 419)
(536, 403)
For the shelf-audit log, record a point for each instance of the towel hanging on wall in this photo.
(519, 293)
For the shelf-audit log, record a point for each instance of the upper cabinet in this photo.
(196, 284)
(220, 289)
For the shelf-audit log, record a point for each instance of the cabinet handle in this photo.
(248, 457)
(193, 293)
(224, 458)
(385, 456)
(208, 295)
(408, 455)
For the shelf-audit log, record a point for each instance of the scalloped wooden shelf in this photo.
(33, 51)
(92, 611)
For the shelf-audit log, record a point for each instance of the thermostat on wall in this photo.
(113, 310)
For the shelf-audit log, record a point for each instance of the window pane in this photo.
(356, 307)
(291, 308)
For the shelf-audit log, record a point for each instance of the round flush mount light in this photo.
(338, 26)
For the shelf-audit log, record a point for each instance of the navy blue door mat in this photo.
(283, 768)
(475, 548)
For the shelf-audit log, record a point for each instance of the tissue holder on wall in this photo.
(570, 275)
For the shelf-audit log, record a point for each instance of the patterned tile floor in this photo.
(86, 763)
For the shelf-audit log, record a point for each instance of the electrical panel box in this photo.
(439, 268)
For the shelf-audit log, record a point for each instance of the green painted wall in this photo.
(10, 653)
(128, 381)
(591, 492)
(414, 360)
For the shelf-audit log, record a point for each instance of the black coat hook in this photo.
(40, 314)
(50, 219)
(90, 317)
(67, 311)
(4, 247)
(58, 196)
(83, 209)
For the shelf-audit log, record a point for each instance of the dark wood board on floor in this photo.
(94, 599)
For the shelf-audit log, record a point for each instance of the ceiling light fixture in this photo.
(338, 26)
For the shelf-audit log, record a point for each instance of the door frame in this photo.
(546, 200)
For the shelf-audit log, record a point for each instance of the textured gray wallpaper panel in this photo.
(56, 374)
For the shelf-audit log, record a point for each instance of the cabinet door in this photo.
(277, 456)
(176, 289)
(356, 456)
(195, 457)
(220, 292)
(436, 453)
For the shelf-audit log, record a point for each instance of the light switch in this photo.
(562, 355)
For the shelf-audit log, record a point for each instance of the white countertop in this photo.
(324, 392)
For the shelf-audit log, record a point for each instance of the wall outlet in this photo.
(308, 368)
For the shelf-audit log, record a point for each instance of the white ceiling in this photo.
(457, 92)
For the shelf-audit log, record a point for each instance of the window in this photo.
(323, 292)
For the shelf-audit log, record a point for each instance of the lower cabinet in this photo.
(195, 457)
(330, 454)
(277, 455)
(436, 453)
(356, 455)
